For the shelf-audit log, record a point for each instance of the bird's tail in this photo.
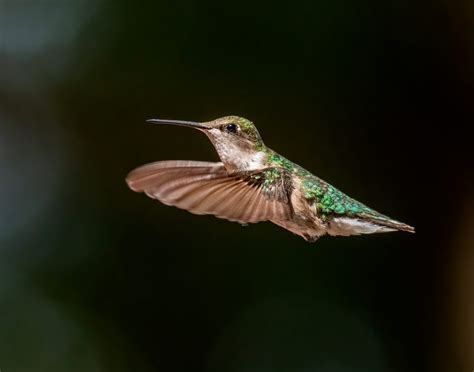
(382, 220)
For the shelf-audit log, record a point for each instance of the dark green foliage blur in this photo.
(374, 97)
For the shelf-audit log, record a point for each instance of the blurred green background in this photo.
(374, 97)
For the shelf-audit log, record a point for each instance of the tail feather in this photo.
(395, 225)
(382, 220)
(365, 224)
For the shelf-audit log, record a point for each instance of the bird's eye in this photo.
(231, 128)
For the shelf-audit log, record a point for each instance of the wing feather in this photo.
(207, 188)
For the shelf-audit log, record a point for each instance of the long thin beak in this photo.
(181, 123)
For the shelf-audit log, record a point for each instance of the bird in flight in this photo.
(253, 183)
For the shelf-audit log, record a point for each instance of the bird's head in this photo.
(236, 140)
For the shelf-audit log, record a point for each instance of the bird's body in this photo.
(254, 183)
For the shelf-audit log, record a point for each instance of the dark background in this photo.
(374, 97)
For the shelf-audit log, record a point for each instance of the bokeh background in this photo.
(374, 97)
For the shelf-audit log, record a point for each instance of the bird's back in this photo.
(341, 214)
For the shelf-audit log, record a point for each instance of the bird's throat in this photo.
(237, 159)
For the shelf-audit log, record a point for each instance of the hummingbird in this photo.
(253, 183)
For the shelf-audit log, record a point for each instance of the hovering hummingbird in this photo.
(253, 183)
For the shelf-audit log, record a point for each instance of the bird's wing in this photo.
(207, 188)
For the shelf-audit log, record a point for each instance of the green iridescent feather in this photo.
(327, 200)
(250, 130)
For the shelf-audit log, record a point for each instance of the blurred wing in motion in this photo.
(207, 188)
